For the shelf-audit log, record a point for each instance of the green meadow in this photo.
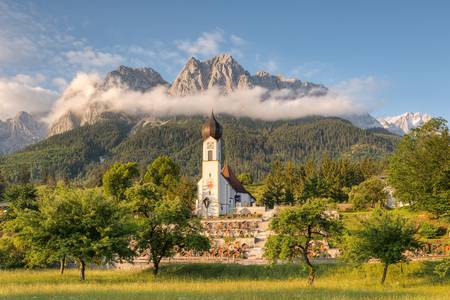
(228, 281)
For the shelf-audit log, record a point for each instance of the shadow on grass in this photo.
(236, 271)
(276, 293)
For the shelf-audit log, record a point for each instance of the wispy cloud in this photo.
(212, 43)
(208, 43)
(89, 58)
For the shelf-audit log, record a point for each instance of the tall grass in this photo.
(222, 281)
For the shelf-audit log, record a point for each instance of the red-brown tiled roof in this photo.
(232, 180)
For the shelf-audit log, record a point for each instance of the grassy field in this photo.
(215, 281)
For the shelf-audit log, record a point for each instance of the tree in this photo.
(274, 191)
(163, 172)
(295, 228)
(315, 187)
(369, 193)
(419, 169)
(2, 187)
(384, 236)
(82, 224)
(245, 178)
(118, 178)
(162, 206)
(165, 224)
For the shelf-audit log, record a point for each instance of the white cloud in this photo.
(209, 43)
(89, 58)
(60, 83)
(252, 103)
(270, 65)
(21, 93)
(237, 40)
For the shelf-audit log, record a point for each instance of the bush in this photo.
(430, 231)
(443, 269)
(10, 255)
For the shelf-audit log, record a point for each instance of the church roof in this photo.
(228, 174)
(211, 128)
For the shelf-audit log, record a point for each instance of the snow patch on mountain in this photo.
(404, 123)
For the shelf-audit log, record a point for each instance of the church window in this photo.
(210, 155)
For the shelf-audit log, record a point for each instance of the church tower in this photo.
(209, 185)
(219, 191)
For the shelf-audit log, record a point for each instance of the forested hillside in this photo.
(249, 146)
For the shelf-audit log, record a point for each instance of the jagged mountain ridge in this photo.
(222, 72)
(404, 123)
(22, 130)
(225, 72)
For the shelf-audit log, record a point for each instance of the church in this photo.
(219, 191)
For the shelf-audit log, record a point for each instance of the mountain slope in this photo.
(22, 130)
(404, 123)
(133, 79)
(249, 146)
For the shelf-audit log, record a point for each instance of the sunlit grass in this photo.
(215, 281)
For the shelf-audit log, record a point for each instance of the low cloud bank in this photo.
(348, 98)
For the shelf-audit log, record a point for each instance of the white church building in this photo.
(219, 191)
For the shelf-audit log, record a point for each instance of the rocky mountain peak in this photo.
(136, 79)
(224, 72)
(404, 123)
(22, 130)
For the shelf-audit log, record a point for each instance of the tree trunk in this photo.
(82, 269)
(62, 265)
(311, 271)
(383, 278)
(155, 267)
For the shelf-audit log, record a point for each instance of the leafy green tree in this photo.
(12, 254)
(163, 172)
(162, 206)
(245, 178)
(165, 223)
(419, 169)
(369, 193)
(21, 197)
(118, 178)
(384, 236)
(82, 224)
(295, 228)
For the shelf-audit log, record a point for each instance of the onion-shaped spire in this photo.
(211, 128)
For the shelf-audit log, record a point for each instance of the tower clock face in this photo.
(210, 145)
(210, 184)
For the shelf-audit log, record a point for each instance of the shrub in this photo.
(443, 269)
(429, 231)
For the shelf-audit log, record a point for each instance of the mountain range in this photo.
(22, 130)
(404, 123)
(222, 72)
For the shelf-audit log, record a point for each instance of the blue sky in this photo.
(398, 50)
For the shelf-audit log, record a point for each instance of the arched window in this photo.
(210, 155)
